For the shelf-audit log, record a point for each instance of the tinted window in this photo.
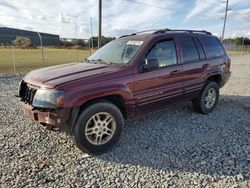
(214, 46)
(199, 47)
(189, 49)
(164, 53)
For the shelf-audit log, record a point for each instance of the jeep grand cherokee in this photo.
(129, 76)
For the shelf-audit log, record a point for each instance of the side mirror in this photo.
(149, 64)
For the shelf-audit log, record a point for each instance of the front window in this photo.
(163, 53)
(117, 52)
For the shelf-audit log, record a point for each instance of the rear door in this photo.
(161, 85)
(194, 64)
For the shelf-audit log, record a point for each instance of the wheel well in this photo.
(114, 99)
(215, 78)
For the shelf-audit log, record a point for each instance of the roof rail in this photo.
(145, 31)
(181, 30)
(127, 35)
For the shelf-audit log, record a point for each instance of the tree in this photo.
(104, 40)
(23, 42)
(238, 40)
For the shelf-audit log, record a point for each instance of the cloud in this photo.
(64, 18)
(120, 17)
(212, 8)
(137, 16)
(6, 5)
(243, 14)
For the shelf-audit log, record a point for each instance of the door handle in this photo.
(205, 66)
(175, 72)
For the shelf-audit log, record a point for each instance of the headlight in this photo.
(48, 98)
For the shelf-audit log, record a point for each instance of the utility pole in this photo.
(13, 59)
(225, 20)
(100, 25)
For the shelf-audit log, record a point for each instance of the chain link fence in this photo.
(23, 56)
(234, 49)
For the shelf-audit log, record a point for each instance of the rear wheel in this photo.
(208, 99)
(98, 128)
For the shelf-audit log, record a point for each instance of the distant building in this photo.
(74, 40)
(8, 35)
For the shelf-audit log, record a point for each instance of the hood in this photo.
(50, 77)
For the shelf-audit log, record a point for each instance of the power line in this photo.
(241, 13)
(240, 28)
(179, 11)
(207, 2)
(109, 22)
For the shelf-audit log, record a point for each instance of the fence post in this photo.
(41, 45)
(89, 48)
(242, 46)
(13, 59)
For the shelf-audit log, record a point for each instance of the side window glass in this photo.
(214, 47)
(200, 49)
(163, 54)
(189, 49)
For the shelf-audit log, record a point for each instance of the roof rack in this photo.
(158, 31)
(181, 30)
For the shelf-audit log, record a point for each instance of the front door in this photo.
(159, 81)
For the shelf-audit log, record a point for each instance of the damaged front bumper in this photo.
(54, 118)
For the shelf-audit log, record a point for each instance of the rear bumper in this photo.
(53, 117)
(224, 78)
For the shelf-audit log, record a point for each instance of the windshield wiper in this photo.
(104, 62)
(87, 60)
(97, 60)
(121, 64)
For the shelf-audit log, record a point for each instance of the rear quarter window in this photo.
(214, 47)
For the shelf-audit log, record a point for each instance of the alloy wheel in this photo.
(100, 128)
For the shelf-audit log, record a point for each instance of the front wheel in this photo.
(208, 99)
(98, 127)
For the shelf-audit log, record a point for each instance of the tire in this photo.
(92, 121)
(205, 102)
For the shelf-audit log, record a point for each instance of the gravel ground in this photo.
(174, 147)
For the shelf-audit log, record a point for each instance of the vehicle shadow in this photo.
(178, 139)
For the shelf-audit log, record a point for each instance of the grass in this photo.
(28, 59)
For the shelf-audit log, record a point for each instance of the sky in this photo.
(71, 18)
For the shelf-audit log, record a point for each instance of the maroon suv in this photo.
(131, 75)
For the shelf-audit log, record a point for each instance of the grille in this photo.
(27, 93)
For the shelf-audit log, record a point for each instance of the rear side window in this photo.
(189, 49)
(214, 47)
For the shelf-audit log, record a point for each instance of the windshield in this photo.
(117, 52)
